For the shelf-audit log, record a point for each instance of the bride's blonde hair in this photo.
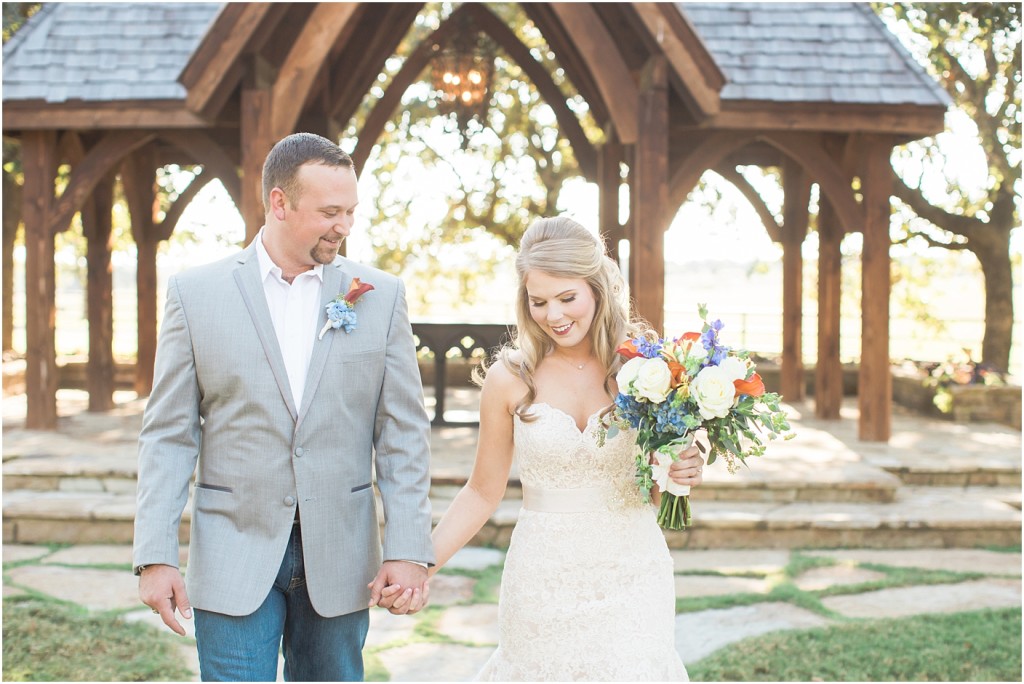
(562, 248)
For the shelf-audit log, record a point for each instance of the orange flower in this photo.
(678, 370)
(628, 349)
(753, 387)
(357, 290)
(691, 336)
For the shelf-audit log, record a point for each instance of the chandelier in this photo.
(461, 74)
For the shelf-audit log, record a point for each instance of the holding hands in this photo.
(401, 587)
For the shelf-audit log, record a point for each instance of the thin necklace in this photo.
(577, 366)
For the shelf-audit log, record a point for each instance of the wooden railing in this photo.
(441, 338)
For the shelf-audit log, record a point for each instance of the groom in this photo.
(287, 417)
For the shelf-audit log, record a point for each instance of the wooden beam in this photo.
(568, 124)
(256, 144)
(364, 57)
(11, 216)
(214, 68)
(38, 159)
(170, 221)
(706, 154)
(797, 189)
(833, 181)
(97, 226)
(568, 56)
(100, 160)
(138, 180)
(609, 164)
(97, 223)
(216, 162)
(613, 79)
(690, 60)
(828, 372)
(875, 382)
(330, 23)
(910, 122)
(649, 187)
(768, 220)
(88, 116)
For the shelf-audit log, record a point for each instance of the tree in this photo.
(974, 49)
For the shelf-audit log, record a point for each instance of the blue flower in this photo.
(647, 348)
(630, 409)
(672, 417)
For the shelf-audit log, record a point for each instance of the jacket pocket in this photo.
(216, 488)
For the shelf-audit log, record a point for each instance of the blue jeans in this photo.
(316, 649)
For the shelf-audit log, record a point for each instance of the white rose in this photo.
(736, 369)
(714, 392)
(627, 374)
(653, 380)
(697, 352)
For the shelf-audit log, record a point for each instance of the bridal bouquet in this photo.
(669, 389)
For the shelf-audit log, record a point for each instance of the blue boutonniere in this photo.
(341, 311)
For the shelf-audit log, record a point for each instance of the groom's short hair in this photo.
(281, 168)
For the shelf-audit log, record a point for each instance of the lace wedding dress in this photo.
(588, 591)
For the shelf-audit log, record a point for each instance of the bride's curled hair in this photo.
(561, 247)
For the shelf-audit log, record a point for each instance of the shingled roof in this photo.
(775, 52)
(104, 52)
(810, 52)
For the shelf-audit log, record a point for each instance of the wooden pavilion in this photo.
(821, 90)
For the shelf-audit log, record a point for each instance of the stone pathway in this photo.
(464, 633)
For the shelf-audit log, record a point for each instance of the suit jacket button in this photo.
(289, 501)
(299, 451)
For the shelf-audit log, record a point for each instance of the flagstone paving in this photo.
(700, 634)
(463, 632)
(936, 598)
(88, 467)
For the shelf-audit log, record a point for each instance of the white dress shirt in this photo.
(294, 309)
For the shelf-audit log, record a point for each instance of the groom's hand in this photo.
(162, 589)
(401, 587)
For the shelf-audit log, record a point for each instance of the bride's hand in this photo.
(688, 469)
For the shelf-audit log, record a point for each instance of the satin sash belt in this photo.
(579, 500)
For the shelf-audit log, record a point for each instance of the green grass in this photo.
(975, 646)
(783, 588)
(52, 641)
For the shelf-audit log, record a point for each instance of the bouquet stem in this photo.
(674, 513)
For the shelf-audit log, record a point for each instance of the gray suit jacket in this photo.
(221, 399)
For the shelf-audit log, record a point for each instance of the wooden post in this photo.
(257, 139)
(609, 179)
(875, 382)
(38, 158)
(12, 200)
(794, 229)
(828, 375)
(649, 195)
(137, 178)
(96, 224)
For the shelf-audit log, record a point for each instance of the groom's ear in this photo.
(278, 203)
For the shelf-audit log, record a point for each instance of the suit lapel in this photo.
(247, 275)
(334, 280)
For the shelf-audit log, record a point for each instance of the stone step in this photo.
(965, 476)
(919, 517)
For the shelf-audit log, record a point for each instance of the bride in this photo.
(587, 591)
